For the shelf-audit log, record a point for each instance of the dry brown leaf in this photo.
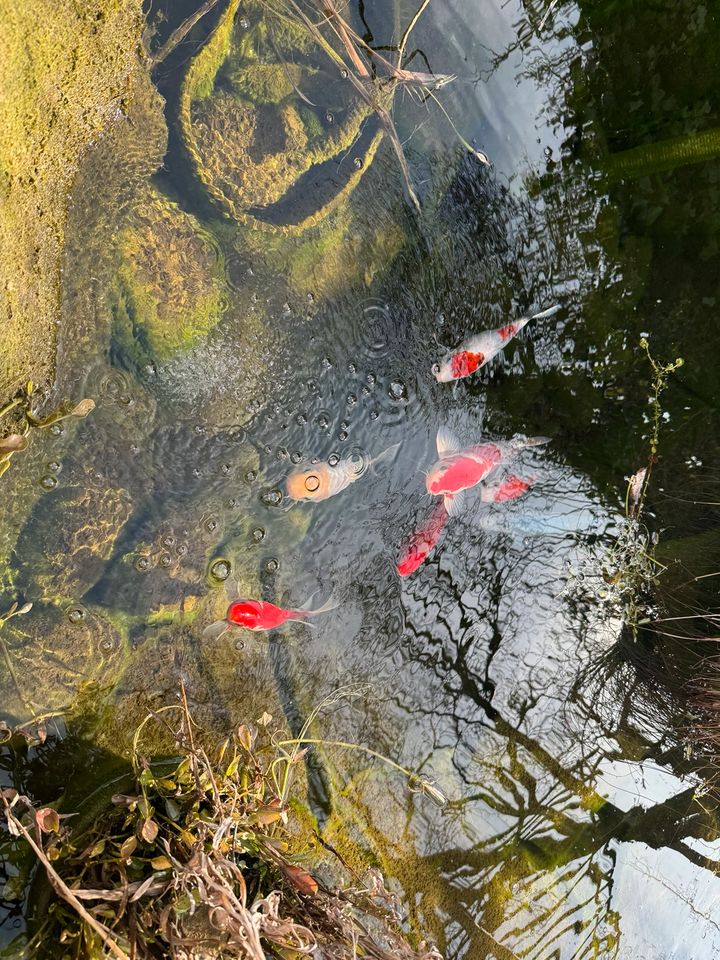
(149, 831)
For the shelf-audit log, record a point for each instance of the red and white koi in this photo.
(474, 353)
(261, 615)
(324, 480)
(422, 542)
(458, 469)
(510, 488)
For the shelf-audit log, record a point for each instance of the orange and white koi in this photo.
(422, 542)
(324, 480)
(458, 469)
(474, 353)
(261, 615)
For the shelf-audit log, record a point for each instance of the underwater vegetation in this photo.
(202, 855)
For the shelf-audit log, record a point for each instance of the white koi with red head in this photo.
(458, 469)
(474, 353)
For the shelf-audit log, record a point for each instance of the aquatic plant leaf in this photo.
(12, 444)
(128, 848)
(48, 820)
(300, 879)
(149, 831)
(636, 484)
(83, 408)
(245, 737)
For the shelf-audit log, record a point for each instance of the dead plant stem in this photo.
(63, 890)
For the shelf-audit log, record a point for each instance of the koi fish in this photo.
(459, 469)
(261, 615)
(510, 488)
(323, 480)
(474, 353)
(421, 543)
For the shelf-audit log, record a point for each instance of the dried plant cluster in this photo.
(200, 860)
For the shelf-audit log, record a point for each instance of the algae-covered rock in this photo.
(51, 652)
(70, 535)
(170, 284)
(65, 71)
(275, 143)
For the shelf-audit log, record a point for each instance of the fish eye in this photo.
(312, 483)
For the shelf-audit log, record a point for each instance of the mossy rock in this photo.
(70, 535)
(170, 288)
(51, 652)
(65, 68)
(270, 157)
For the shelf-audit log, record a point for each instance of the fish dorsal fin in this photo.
(447, 443)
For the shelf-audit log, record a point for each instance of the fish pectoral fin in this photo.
(455, 503)
(544, 314)
(447, 443)
(385, 455)
(215, 630)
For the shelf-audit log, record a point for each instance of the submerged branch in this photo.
(179, 34)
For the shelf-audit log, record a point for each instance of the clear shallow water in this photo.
(500, 668)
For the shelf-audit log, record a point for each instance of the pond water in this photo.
(239, 312)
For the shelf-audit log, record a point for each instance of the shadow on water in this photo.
(577, 826)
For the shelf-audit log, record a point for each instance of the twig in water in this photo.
(179, 34)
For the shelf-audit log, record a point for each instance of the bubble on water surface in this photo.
(57, 429)
(342, 436)
(296, 456)
(76, 614)
(272, 565)
(108, 645)
(220, 570)
(54, 466)
(239, 644)
(258, 534)
(165, 561)
(48, 482)
(142, 564)
(272, 498)
(251, 476)
(397, 390)
(334, 459)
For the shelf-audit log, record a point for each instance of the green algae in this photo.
(170, 282)
(65, 73)
(248, 141)
(664, 155)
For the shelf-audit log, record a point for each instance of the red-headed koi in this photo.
(475, 352)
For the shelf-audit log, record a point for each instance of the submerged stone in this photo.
(170, 283)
